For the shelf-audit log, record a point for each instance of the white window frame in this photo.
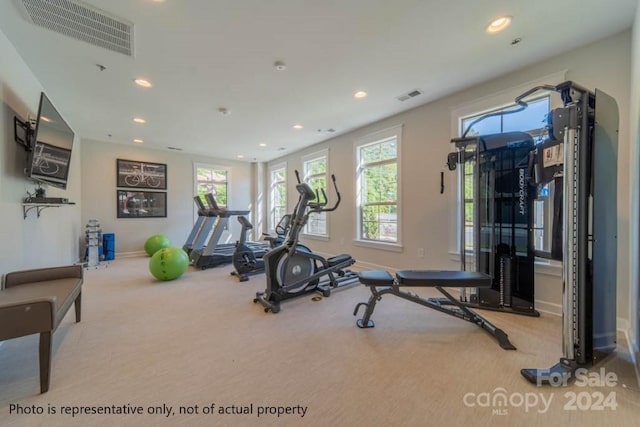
(494, 102)
(272, 220)
(318, 155)
(196, 165)
(376, 137)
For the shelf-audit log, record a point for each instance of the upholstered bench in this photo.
(35, 302)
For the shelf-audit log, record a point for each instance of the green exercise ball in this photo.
(168, 263)
(155, 243)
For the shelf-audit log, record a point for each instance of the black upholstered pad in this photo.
(445, 279)
(375, 278)
(338, 259)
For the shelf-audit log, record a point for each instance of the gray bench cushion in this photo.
(44, 305)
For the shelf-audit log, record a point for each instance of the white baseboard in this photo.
(634, 352)
(548, 307)
(623, 325)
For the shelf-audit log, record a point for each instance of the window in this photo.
(315, 174)
(533, 121)
(277, 194)
(378, 187)
(212, 179)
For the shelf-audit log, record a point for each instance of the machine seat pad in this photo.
(338, 259)
(375, 278)
(445, 279)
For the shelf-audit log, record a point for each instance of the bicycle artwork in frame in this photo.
(135, 174)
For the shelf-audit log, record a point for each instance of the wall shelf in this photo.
(39, 207)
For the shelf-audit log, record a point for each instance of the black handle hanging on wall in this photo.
(441, 182)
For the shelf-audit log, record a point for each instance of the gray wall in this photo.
(99, 193)
(33, 242)
(428, 220)
(634, 188)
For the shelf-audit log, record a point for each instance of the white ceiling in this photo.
(202, 55)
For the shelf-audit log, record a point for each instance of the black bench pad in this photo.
(375, 278)
(338, 259)
(445, 279)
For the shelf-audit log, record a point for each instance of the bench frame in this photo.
(447, 304)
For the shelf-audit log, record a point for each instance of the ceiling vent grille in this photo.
(84, 22)
(409, 95)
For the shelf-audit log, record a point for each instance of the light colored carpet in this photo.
(200, 340)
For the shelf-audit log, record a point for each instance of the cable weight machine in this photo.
(580, 157)
(585, 131)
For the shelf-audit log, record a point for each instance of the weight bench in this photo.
(381, 282)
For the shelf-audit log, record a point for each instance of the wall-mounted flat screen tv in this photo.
(50, 153)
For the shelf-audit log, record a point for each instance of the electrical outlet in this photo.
(420, 252)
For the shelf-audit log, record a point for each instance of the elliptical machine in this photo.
(292, 269)
(246, 260)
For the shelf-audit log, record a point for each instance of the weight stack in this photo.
(506, 281)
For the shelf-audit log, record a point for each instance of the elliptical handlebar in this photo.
(306, 206)
(319, 205)
(339, 197)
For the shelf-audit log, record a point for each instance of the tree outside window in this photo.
(210, 179)
(277, 195)
(315, 174)
(378, 185)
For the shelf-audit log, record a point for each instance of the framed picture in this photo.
(142, 204)
(134, 174)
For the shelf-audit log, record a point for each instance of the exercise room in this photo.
(293, 212)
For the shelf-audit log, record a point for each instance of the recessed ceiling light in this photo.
(297, 127)
(360, 94)
(498, 24)
(224, 111)
(138, 141)
(279, 65)
(263, 145)
(44, 118)
(240, 156)
(143, 83)
(139, 120)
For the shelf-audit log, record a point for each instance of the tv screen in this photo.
(51, 149)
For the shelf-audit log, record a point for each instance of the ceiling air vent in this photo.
(175, 148)
(84, 22)
(409, 95)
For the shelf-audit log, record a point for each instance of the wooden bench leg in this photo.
(45, 361)
(78, 306)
